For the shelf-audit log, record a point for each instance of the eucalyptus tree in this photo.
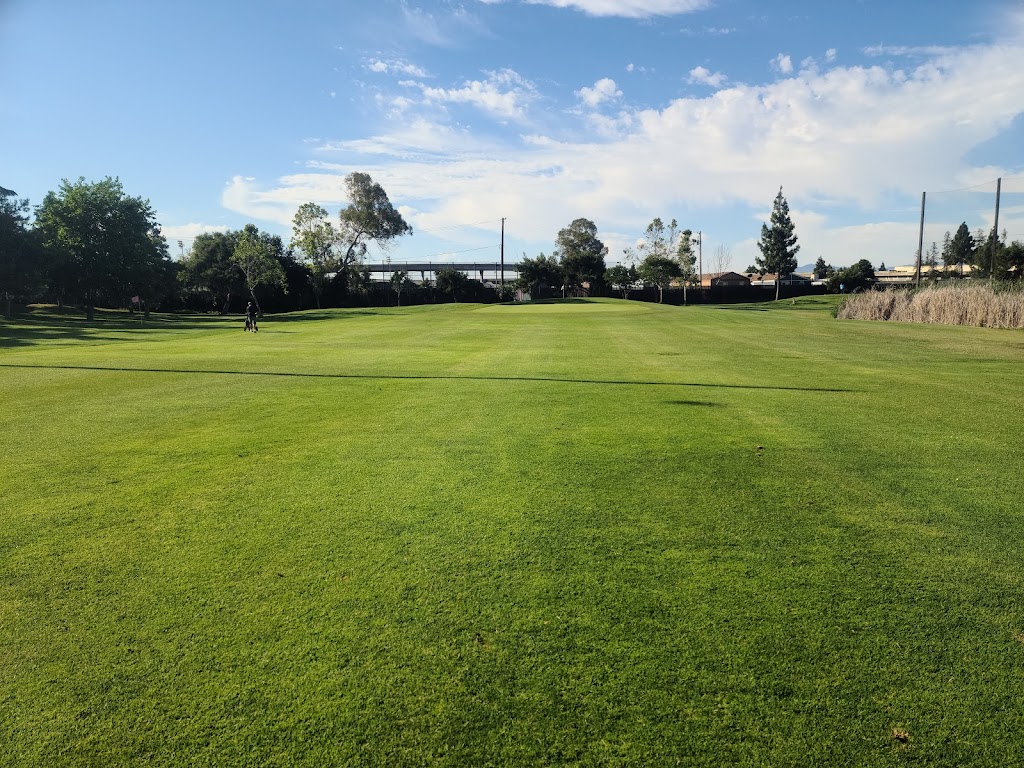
(582, 255)
(315, 238)
(368, 218)
(661, 271)
(399, 282)
(257, 256)
(621, 277)
(661, 241)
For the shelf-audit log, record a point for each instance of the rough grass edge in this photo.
(984, 305)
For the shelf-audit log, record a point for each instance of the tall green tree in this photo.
(661, 241)
(687, 260)
(107, 245)
(1015, 260)
(400, 282)
(452, 281)
(21, 264)
(537, 273)
(316, 239)
(621, 277)
(257, 256)
(582, 255)
(661, 271)
(853, 278)
(989, 257)
(368, 218)
(961, 248)
(209, 268)
(778, 243)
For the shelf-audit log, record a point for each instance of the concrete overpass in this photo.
(484, 271)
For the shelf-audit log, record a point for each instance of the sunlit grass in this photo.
(597, 533)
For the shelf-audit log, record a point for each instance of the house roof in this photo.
(770, 277)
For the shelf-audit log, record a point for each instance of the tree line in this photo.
(95, 245)
(91, 243)
(988, 255)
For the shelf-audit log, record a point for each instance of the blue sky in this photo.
(540, 112)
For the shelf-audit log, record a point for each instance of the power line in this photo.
(460, 226)
(452, 253)
(965, 189)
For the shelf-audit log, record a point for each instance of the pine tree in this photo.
(778, 243)
(961, 247)
(948, 258)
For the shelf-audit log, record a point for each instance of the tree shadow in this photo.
(424, 377)
(700, 403)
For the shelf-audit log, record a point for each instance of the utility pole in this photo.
(503, 254)
(995, 233)
(700, 259)
(920, 240)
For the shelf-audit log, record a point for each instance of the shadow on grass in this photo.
(26, 335)
(700, 403)
(40, 326)
(414, 377)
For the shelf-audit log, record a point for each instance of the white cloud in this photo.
(634, 9)
(394, 67)
(504, 94)
(706, 77)
(845, 136)
(709, 31)
(603, 90)
(445, 30)
(783, 63)
(907, 50)
(242, 195)
(187, 233)
(830, 55)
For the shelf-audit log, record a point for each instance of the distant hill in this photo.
(805, 268)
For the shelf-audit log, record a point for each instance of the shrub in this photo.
(988, 305)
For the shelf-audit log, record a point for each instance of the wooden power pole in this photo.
(920, 240)
(995, 233)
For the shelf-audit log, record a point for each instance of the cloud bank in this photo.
(845, 135)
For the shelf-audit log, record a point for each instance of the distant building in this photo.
(769, 279)
(723, 279)
(905, 275)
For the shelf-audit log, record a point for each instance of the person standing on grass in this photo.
(250, 317)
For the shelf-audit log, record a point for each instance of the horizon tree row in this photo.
(93, 244)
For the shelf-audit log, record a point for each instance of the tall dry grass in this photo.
(955, 303)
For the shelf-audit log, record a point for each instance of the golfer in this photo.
(250, 317)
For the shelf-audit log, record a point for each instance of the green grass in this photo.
(597, 533)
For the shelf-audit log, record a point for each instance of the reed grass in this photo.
(985, 305)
